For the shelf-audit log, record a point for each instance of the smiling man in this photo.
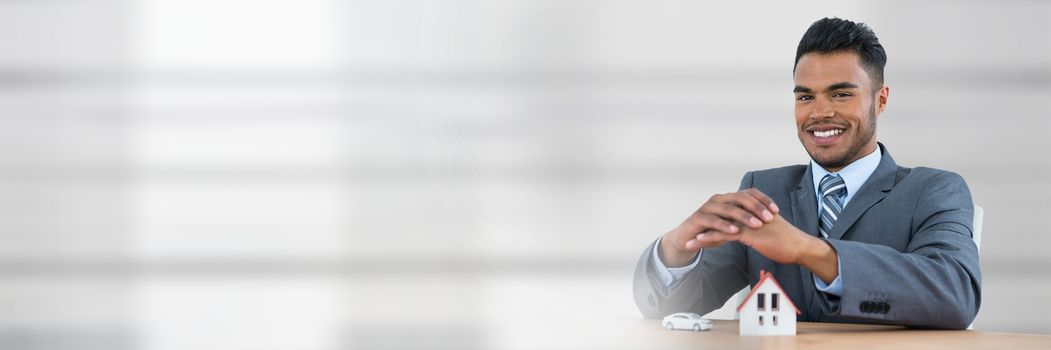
(852, 236)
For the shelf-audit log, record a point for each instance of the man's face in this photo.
(836, 108)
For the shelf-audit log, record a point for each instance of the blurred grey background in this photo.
(324, 174)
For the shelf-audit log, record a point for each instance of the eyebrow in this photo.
(841, 86)
(833, 87)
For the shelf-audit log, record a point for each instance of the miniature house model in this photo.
(767, 310)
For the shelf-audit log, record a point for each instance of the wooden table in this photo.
(815, 336)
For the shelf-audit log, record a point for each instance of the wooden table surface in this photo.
(815, 336)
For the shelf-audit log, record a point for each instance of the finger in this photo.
(749, 200)
(733, 212)
(763, 198)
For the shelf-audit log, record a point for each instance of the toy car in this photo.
(686, 320)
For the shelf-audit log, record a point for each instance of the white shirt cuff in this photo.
(670, 275)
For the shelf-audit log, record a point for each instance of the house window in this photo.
(775, 320)
(761, 303)
(773, 303)
(760, 320)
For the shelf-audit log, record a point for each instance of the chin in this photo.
(828, 159)
(838, 164)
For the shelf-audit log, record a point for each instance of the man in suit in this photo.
(852, 237)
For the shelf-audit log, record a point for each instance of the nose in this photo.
(822, 109)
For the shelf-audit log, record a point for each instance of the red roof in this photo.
(763, 277)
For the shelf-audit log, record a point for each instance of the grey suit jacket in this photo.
(903, 241)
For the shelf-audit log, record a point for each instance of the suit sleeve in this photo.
(720, 274)
(935, 283)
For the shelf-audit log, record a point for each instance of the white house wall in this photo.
(786, 314)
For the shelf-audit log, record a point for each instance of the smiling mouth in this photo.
(827, 133)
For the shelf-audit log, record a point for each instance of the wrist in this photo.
(820, 258)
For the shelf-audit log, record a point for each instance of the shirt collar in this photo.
(854, 175)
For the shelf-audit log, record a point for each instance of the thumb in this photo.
(714, 238)
(692, 244)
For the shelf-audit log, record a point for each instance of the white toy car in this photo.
(686, 320)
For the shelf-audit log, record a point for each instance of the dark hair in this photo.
(832, 35)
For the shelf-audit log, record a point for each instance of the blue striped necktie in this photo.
(832, 189)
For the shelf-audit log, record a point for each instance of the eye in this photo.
(804, 98)
(840, 94)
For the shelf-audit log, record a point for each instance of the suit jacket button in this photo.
(884, 307)
(865, 307)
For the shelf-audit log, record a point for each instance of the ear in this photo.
(881, 98)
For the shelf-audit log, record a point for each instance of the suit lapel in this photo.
(804, 217)
(873, 191)
(804, 204)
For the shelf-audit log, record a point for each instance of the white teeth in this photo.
(828, 133)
